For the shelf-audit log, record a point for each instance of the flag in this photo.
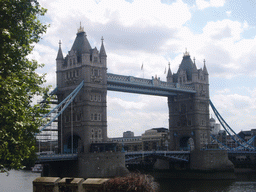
(141, 67)
(165, 71)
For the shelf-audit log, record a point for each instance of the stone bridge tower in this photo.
(84, 121)
(189, 113)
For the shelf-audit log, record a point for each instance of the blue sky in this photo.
(154, 33)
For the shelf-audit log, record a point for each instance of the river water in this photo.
(21, 181)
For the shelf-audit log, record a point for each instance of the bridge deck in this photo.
(145, 86)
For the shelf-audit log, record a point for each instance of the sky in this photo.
(156, 32)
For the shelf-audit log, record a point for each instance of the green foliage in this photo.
(19, 83)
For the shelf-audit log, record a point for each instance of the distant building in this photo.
(215, 127)
(152, 139)
(128, 142)
(155, 139)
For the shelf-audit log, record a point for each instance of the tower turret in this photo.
(169, 76)
(59, 63)
(103, 55)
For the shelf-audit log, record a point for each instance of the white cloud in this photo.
(237, 110)
(202, 4)
(228, 13)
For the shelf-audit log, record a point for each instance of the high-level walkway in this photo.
(145, 86)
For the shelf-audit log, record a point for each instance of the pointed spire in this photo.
(194, 65)
(169, 74)
(102, 48)
(205, 69)
(59, 55)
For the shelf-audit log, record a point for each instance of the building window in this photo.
(70, 62)
(74, 73)
(95, 59)
(91, 117)
(95, 117)
(91, 98)
(99, 117)
(77, 73)
(95, 97)
(99, 98)
(95, 72)
(74, 61)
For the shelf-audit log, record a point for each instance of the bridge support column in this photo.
(104, 164)
(161, 164)
(210, 160)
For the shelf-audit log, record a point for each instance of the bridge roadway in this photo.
(145, 86)
(129, 156)
(136, 156)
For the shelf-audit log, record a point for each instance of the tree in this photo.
(20, 29)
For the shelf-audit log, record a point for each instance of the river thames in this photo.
(21, 181)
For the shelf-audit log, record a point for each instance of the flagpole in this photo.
(142, 70)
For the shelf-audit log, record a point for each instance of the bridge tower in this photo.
(189, 113)
(84, 121)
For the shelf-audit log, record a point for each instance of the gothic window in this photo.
(95, 72)
(92, 133)
(70, 62)
(95, 97)
(78, 117)
(95, 59)
(99, 98)
(95, 117)
(67, 118)
(183, 108)
(189, 122)
(100, 135)
(96, 134)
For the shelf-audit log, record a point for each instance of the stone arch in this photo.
(77, 143)
(184, 143)
(187, 143)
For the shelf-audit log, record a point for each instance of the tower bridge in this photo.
(82, 119)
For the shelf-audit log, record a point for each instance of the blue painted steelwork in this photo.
(56, 157)
(51, 94)
(62, 106)
(145, 86)
(223, 146)
(229, 130)
(181, 156)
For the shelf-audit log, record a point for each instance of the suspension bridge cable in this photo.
(65, 104)
(222, 121)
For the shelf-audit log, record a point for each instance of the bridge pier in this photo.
(210, 160)
(100, 165)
